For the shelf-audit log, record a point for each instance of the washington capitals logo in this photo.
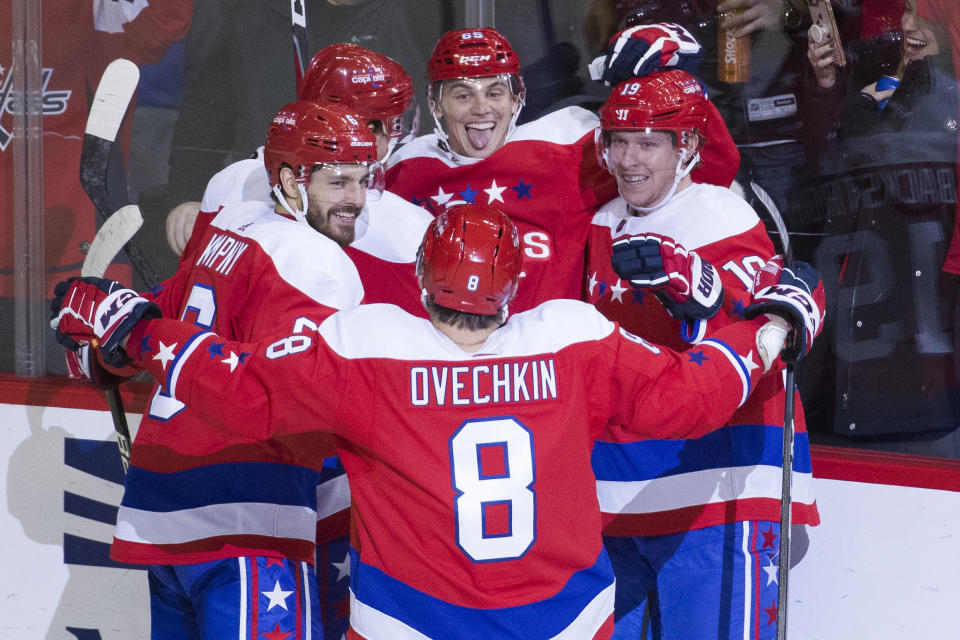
(51, 102)
(373, 77)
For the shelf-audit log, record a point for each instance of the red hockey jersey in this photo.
(193, 494)
(475, 511)
(546, 178)
(655, 486)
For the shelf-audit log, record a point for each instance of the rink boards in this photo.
(884, 563)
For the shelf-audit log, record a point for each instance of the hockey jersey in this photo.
(80, 37)
(475, 514)
(388, 232)
(655, 486)
(546, 178)
(193, 494)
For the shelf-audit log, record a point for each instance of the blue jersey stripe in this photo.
(741, 445)
(221, 484)
(436, 618)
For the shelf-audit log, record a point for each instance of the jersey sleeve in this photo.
(736, 258)
(660, 393)
(281, 385)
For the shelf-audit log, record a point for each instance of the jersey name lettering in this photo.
(487, 383)
(222, 250)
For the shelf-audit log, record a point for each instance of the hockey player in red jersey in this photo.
(388, 231)
(222, 521)
(691, 525)
(466, 437)
(544, 173)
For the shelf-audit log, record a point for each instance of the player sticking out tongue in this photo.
(475, 92)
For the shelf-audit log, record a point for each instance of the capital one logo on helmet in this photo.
(371, 77)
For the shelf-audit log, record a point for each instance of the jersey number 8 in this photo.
(493, 472)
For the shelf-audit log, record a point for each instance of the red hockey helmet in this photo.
(472, 53)
(365, 83)
(664, 101)
(304, 134)
(470, 259)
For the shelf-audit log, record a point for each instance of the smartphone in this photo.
(824, 26)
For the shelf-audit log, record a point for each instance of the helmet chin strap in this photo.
(300, 215)
(390, 147)
(679, 174)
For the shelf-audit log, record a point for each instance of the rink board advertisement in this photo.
(883, 564)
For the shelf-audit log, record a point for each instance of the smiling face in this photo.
(335, 196)
(920, 37)
(476, 114)
(644, 164)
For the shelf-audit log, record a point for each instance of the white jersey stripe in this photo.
(238, 518)
(747, 580)
(686, 490)
(333, 496)
(242, 610)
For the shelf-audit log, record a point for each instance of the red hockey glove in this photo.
(796, 295)
(688, 286)
(637, 51)
(100, 312)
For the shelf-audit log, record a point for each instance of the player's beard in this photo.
(332, 226)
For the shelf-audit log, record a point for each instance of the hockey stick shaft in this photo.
(113, 235)
(298, 23)
(786, 480)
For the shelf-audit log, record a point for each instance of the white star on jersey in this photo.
(441, 197)
(165, 354)
(771, 571)
(751, 364)
(495, 192)
(232, 361)
(593, 282)
(343, 568)
(616, 291)
(278, 597)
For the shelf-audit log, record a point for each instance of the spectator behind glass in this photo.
(884, 196)
(918, 86)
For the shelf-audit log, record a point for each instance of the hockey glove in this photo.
(796, 295)
(639, 50)
(99, 312)
(688, 286)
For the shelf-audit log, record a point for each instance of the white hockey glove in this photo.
(688, 286)
(637, 51)
(795, 295)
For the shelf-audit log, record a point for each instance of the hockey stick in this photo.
(109, 241)
(110, 102)
(786, 482)
(298, 22)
